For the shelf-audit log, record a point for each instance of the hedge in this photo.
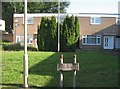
(16, 47)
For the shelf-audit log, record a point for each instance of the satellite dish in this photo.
(2, 25)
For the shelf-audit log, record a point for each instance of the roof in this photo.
(70, 14)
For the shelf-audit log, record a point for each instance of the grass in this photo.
(97, 69)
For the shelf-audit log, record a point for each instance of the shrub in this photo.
(30, 48)
(69, 34)
(16, 47)
(47, 34)
(5, 45)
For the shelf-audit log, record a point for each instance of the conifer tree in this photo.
(69, 33)
(47, 34)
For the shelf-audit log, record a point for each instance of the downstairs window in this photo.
(91, 40)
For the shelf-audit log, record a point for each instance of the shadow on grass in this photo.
(95, 70)
(48, 67)
(17, 86)
(11, 86)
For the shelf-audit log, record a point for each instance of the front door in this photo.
(108, 42)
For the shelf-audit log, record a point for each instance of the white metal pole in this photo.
(0, 45)
(58, 25)
(25, 61)
(74, 75)
(61, 73)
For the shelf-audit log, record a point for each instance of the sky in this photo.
(93, 6)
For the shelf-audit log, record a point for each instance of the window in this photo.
(118, 20)
(95, 20)
(91, 40)
(29, 20)
(20, 39)
(29, 39)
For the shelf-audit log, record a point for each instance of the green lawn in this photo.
(97, 69)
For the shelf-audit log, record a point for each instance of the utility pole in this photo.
(0, 10)
(0, 45)
(58, 25)
(25, 60)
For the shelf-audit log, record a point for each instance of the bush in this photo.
(30, 48)
(16, 47)
(47, 34)
(69, 34)
(5, 45)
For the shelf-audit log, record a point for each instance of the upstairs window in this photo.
(95, 20)
(29, 20)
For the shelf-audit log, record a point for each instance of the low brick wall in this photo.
(7, 37)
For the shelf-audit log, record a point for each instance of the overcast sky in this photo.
(93, 6)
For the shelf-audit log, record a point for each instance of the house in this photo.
(97, 31)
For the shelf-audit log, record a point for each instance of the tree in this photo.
(41, 34)
(69, 33)
(9, 8)
(53, 34)
(47, 34)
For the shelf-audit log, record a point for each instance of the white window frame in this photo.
(30, 41)
(117, 20)
(28, 20)
(94, 20)
(19, 37)
(86, 39)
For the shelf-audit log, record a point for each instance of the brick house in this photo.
(97, 31)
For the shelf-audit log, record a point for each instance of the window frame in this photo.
(28, 41)
(32, 22)
(19, 37)
(117, 20)
(94, 20)
(86, 37)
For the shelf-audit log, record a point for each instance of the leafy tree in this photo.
(47, 34)
(41, 34)
(7, 15)
(69, 33)
(9, 8)
(77, 29)
(53, 32)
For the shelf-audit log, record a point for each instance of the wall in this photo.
(7, 37)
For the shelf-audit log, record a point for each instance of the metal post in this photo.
(25, 61)
(58, 25)
(61, 74)
(0, 45)
(74, 75)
